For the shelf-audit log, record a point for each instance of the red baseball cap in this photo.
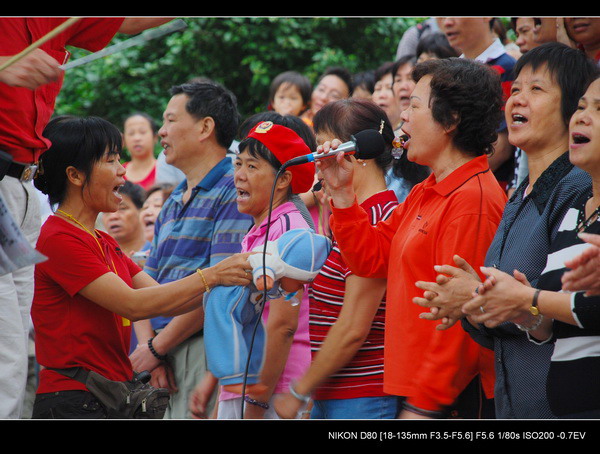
(285, 144)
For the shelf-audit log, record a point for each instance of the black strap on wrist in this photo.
(154, 352)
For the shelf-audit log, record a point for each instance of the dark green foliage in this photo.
(244, 54)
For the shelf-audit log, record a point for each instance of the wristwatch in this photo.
(534, 304)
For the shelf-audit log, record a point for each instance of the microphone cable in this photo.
(265, 291)
(283, 168)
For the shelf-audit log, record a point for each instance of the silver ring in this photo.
(481, 309)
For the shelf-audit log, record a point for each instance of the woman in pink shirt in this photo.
(271, 141)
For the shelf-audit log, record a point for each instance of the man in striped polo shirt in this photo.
(198, 226)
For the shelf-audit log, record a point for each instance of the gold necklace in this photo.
(124, 321)
(72, 218)
(94, 235)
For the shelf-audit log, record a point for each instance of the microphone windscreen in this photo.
(369, 144)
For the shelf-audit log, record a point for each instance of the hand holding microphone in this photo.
(335, 167)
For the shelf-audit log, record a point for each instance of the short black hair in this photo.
(436, 44)
(340, 72)
(210, 99)
(80, 142)
(364, 79)
(382, 70)
(151, 121)
(293, 78)
(135, 192)
(466, 94)
(571, 68)
(404, 60)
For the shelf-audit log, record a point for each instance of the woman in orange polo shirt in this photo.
(451, 124)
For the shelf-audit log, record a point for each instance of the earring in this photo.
(381, 127)
(364, 164)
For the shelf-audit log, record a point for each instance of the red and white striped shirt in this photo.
(363, 375)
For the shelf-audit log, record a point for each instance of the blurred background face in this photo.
(139, 137)
(330, 88)
(403, 85)
(426, 56)
(466, 33)
(361, 92)
(384, 97)
(524, 31)
(288, 100)
(124, 224)
(149, 213)
(584, 30)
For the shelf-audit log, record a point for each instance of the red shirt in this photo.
(24, 113)
(71, 330)
(148, 181)
(363, 375)
(458, 215)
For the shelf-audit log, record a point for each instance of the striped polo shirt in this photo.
(199, 233)
(363, 375)
(575, 365)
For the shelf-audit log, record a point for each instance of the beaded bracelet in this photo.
(264, 405)
(199, 271)
(154, 352)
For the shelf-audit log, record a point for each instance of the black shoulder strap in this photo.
(287, 221)
(76, 373)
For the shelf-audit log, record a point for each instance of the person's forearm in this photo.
(340, 346)
(280, 329)
(343, 197)
(147, 299)
(174, 298)
(556, 306)
(365, 247)
(362, 300)
(178, 330)
(143, 331)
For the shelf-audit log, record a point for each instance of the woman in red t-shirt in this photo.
(88, 291)
(140, 134)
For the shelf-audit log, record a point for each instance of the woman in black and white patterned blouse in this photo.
(571, 320)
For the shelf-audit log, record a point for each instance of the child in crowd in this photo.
(290, 93)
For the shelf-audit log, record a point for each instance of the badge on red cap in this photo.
(263, 127)
(285, 144)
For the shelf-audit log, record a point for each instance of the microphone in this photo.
(367, 144)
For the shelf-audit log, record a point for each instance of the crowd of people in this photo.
(464, 256)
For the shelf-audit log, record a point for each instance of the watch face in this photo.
(534, 310)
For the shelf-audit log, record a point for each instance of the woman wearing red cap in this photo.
(272, 141)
